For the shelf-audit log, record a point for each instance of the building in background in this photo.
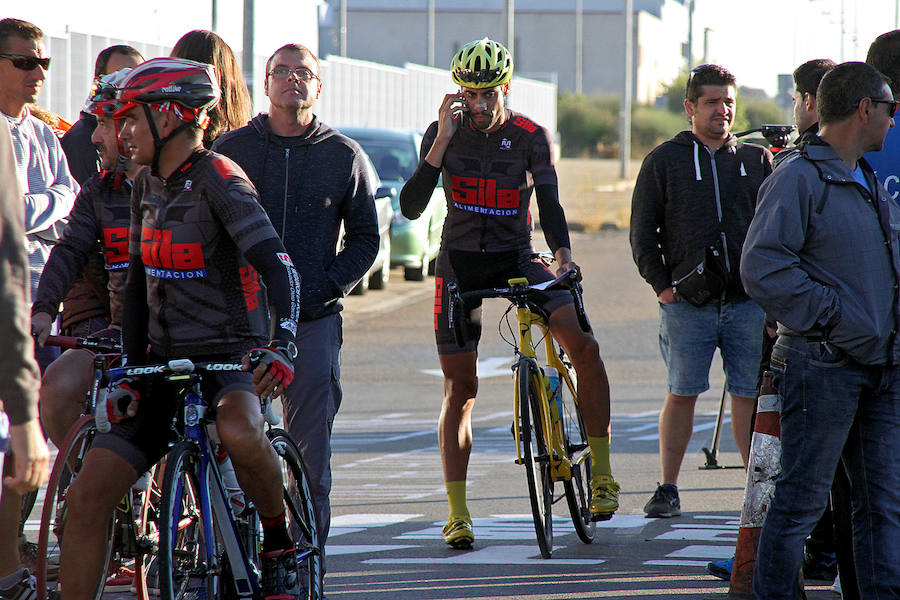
(395, 32)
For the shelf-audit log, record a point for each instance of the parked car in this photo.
(379, 273)
(395, 153)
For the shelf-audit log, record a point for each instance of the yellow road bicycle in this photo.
(551, 438)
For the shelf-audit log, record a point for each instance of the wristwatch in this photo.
(288, 347)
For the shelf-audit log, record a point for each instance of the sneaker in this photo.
(604, 497)
(721, 568)
(819, 565)
(119, 580)
(24, 586)
(457, 533)
(836, 586)
(664, 503)
(280, 580)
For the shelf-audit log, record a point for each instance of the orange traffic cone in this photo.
(764, 467)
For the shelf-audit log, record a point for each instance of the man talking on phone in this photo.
(492, 160)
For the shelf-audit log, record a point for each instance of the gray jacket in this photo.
(821, 254)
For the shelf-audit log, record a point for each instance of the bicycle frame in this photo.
(214, 501)
(526, 318)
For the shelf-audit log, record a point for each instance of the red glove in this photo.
(121, 402)
(278, 358)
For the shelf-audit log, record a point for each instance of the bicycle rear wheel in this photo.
(535, 455)
(65, 470)
(301, 512)
(578, 489)
(189, 554)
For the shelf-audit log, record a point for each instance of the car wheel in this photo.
(361, 288)
(379, 279)
(417, 273)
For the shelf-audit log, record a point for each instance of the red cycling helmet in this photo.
(103, 99)
(184, 87)
(161, 81)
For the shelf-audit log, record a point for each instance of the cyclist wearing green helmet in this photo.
(492, 160)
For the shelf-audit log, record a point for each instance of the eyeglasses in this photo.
(27, 63)
(892, 103)
(302, 73)
(483, 76)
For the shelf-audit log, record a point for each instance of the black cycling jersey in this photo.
(98, 221)
(488, 179)
(199, 241)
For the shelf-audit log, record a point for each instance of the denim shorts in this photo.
(689, 336)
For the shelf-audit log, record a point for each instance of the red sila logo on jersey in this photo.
(250, 286)
(115, 247)
(165, 259)
(478, 195)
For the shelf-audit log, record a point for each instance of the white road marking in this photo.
(492, 555)
(335, 549)
(489, 367)
(703, 551)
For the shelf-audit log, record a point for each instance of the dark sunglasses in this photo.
(27, 63)
(892, 103)
(483, 76)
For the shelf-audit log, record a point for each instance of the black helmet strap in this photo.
(159, 142)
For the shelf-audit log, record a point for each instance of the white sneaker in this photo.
(836, 587)
(23, 588)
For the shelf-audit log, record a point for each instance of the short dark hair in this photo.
(706, 75)
(295, 48)
(808, 75)
(107, 53)
(842, 88)
(884, 55)
(18, 28)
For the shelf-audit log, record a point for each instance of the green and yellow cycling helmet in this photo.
(481, 64)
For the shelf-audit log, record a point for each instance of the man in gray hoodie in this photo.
(310, 179)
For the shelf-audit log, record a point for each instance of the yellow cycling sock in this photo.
(600, 455)
(456, 495)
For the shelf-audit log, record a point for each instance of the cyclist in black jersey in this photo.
(199, 242)
(492, 159)
(98, 226)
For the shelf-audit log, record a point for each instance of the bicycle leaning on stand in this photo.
(549, 431)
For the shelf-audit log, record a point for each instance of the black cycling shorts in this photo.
(144, 439)
(478, 271)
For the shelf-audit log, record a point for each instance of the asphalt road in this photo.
(388, 498)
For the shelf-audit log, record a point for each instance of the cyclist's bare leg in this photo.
(239, 423)
(741, 413)
(584, 352)
(455, 424)
(90, 501)
(63, 388)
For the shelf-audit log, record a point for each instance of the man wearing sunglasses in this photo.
(883, 55)
(821, 257)
(310, 179)
(48, 195)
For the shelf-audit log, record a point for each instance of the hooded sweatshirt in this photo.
(674, 214)
(308, 185)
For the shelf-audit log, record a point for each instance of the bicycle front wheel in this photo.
(535, 455)
(578, 489)
(301, 512)
(66, 467)
(189, 554)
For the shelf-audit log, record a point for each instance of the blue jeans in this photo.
(689, 335)
(834, 408)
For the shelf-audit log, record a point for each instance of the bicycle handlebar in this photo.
(570, 280)
(103, 346)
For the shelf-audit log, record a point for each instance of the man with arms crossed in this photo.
(821, 257)
(310, 179)
(476, 136)
(696, 190)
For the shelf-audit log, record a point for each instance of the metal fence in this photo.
(355, 93)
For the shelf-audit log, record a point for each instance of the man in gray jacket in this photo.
(310, 179)
(821, 257)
